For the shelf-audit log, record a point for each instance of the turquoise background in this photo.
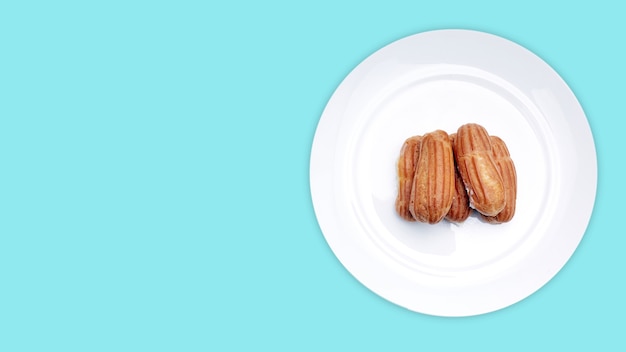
(154, 187)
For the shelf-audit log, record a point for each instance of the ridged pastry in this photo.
(473, 152)
(460, 209)
(433, 183)
(406, 171)
(509, 178)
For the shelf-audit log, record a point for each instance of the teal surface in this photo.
(154, 164)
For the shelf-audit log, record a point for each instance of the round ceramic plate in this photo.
(441, 80)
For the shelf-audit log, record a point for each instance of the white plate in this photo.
(441, 80)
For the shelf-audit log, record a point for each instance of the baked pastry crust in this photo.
(433, 183)
(409, 154)
(460, 209)
(509, 178)
(478, 169)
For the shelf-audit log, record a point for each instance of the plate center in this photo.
(447, 103)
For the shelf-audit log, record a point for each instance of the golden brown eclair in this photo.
(460, 209)
(474, 157)
(433, 183)
(509, 178)
(409, 155)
